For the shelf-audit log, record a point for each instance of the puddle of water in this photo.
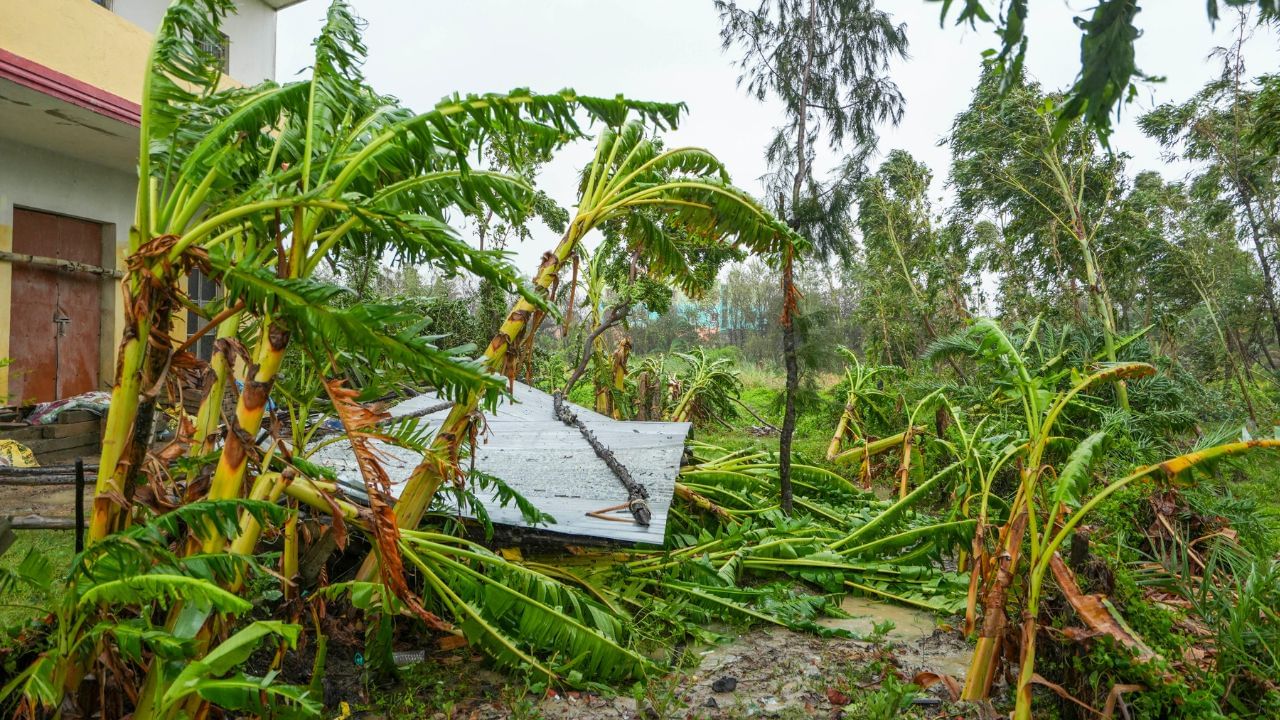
(914, 633)
(953, 662)
(909, 625)
(917, 643)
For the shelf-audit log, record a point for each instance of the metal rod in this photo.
(79, 505)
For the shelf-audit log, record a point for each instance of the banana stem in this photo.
(228, 478)
(431, 474)
(119, 430)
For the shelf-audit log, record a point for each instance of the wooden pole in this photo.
(59, 264)
(79, 505)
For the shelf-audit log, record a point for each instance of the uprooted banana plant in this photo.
(708, 389)
(1053, 495)
(852, 441)
(839, 536)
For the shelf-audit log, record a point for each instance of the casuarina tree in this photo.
(827, 63)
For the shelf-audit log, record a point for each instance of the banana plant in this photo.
(259, 187)
(840, 537)
(861, 396)
(117, 586)
(1052, 498)
(708, 389)
(629, 178)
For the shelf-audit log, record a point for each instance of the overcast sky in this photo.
(422, 50)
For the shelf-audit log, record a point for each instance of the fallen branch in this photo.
(637, 495)
(701, 502)
(747, 407)
(616, 315)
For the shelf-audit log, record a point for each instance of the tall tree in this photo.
(1109, 74)
(920, 272)
(827, 63)
(1053, 193)
(1216, 130)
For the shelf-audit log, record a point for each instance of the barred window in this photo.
(201, 289)
(220, 49)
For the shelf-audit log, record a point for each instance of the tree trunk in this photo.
(1268, 280)
(793, 382)
(789, 305)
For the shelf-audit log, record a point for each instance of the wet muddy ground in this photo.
(58, 501)
(765, 673)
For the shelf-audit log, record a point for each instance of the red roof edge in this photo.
(68, 89)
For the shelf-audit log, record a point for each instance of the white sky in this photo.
(422, 50)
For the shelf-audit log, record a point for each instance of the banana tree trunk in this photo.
(600, 380)
(113, 475)
(228, 478)
(842, 429)
(222, 365)
(441, 461)
(1022, 706)
(986, 654)
(142, 362)
(868, 449)
(620, 358)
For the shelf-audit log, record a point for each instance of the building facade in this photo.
(70, 83)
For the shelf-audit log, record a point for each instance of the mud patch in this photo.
(57, 501)
(920, 640)
(765, 672)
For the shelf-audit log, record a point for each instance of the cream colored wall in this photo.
(108, 50)
(41, 180)
(80, 39)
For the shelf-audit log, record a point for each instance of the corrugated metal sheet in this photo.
(550, 464)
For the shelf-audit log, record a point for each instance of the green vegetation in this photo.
(1042, 414)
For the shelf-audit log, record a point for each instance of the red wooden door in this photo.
(55, 316)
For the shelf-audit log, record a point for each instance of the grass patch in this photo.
(20, 603)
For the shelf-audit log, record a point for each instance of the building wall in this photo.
(41, 180)
(107, 51)
(252, 30)
(78, 39)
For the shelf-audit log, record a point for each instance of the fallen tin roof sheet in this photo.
(550, 464)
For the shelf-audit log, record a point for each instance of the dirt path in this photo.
(51, 502)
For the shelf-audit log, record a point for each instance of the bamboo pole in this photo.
(70, 266)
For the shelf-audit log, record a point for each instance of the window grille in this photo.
(220, 49)
(202, 290)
